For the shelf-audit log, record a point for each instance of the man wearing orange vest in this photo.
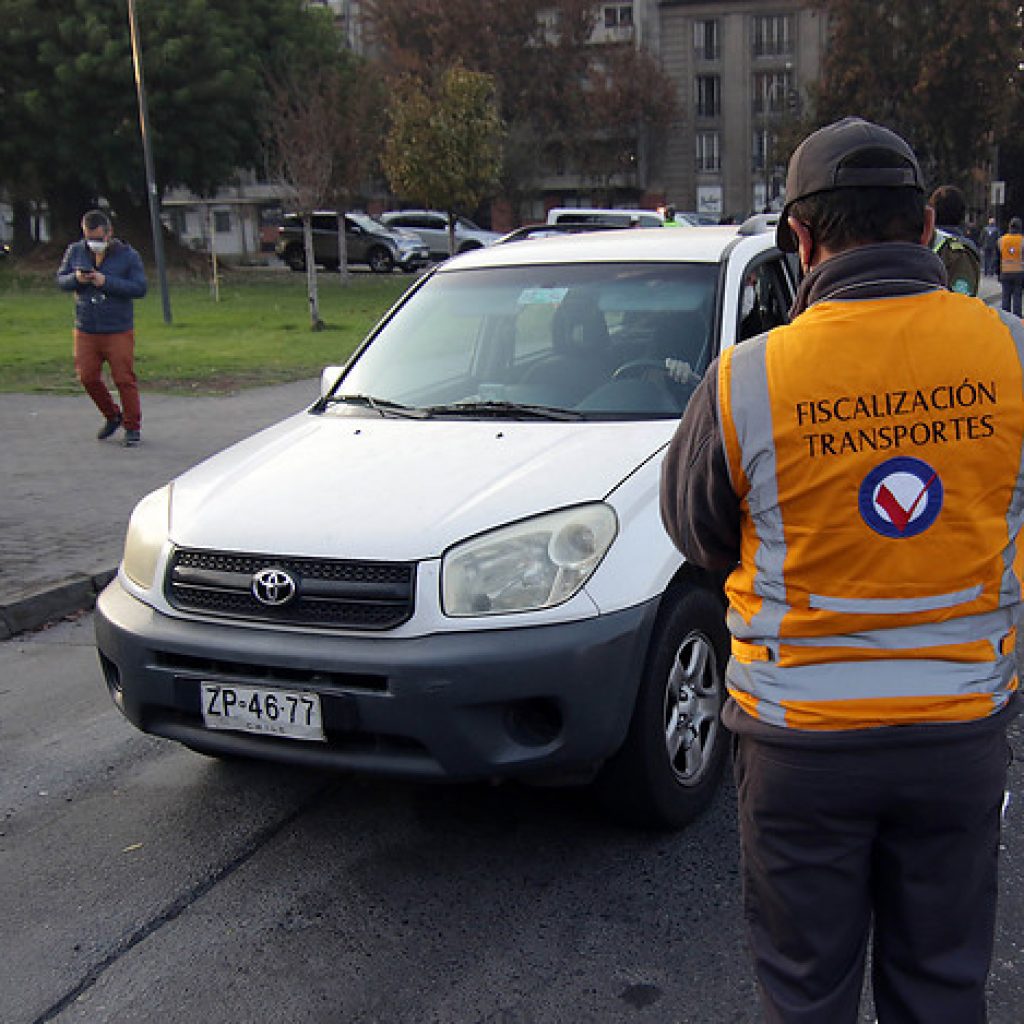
(859, 471)
(1011, 266)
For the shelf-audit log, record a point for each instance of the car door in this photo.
(766, 296)
(433, 229)
(356, 241)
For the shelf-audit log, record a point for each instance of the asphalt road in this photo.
(142, 882)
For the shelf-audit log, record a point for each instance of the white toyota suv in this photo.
(452, 565)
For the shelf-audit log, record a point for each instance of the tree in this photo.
(300, 124)
(554, 89)
(70, 122)
(443, 148)
(356, 139)
(937, 71)
(628, 104)
(320, 133)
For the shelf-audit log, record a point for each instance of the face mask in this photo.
(96, 244)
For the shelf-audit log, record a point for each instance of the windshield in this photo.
(366, 222)
(601, 340)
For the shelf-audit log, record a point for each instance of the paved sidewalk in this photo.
(65, 497)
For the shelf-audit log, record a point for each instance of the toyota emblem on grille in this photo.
(273, 587)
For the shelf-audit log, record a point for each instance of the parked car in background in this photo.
(366, 241)
(544, 230)
(612, 218)
(432, 227)
(696, 220)
(452, 565)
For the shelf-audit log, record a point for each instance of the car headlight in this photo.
(147, 531)
(534, 564)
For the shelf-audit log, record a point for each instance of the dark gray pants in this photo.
(902, 838)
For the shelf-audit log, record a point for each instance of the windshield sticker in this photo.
(542, 296)
(901, 498)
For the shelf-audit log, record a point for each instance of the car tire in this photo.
(671, 763)
(295, 258)
(380, 260)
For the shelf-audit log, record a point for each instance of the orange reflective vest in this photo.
(1011, 254)
(880, 575)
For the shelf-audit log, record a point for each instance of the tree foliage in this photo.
(320, 133)
(938, 71)
(69, 112)
(556, 92)
(443, 148)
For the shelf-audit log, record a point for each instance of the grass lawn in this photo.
(258, 333)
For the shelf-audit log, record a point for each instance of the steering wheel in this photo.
(637, 367)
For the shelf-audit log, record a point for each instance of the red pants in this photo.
(117, 350)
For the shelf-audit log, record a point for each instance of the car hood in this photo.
(343, 486)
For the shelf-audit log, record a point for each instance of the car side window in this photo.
(323, 223)
(765, 298)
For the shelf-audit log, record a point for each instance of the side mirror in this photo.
(328, 378)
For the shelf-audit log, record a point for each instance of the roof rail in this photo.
(759, 224)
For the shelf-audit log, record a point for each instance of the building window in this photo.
(772, 92)
(706, 42)
(759, 149)
(708, 96)
(621, 15)
(772, 35)
(221, 221)
(709, 153)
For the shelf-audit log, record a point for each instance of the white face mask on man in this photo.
(97, 245)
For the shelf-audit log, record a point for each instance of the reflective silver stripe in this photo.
(1009, 589)
(739, 677)
(752, 419)
(871, 680)
(991, 626)
(893, 605)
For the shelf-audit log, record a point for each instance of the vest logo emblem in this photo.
(901, 498)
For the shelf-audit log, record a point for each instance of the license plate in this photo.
(290, 714)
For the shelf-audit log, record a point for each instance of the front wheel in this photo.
(295, 257)
(380, 260)
(668, 769)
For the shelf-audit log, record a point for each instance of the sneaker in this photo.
(132, 438)
(109, 427)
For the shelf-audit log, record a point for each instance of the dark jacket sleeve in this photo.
(130, 281)
(66, 279)
(699, 507)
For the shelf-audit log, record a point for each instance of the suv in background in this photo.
(366, 241)
(432, 227)
(609, 217)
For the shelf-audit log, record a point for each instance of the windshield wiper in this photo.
(381, 406)
(504, 409)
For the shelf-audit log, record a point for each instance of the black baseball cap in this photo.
(824, 161)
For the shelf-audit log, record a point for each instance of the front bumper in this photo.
(413, 260)
(530, 701)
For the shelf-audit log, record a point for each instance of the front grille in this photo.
(328, 593)
(261, 674)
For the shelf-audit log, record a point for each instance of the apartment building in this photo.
(741, 68)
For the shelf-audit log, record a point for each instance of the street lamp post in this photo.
(147, 154)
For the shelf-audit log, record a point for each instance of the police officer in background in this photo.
(859, 471)
(958, 253)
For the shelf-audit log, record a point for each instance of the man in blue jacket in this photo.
(106, 275)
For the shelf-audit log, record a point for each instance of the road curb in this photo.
(36, 608)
